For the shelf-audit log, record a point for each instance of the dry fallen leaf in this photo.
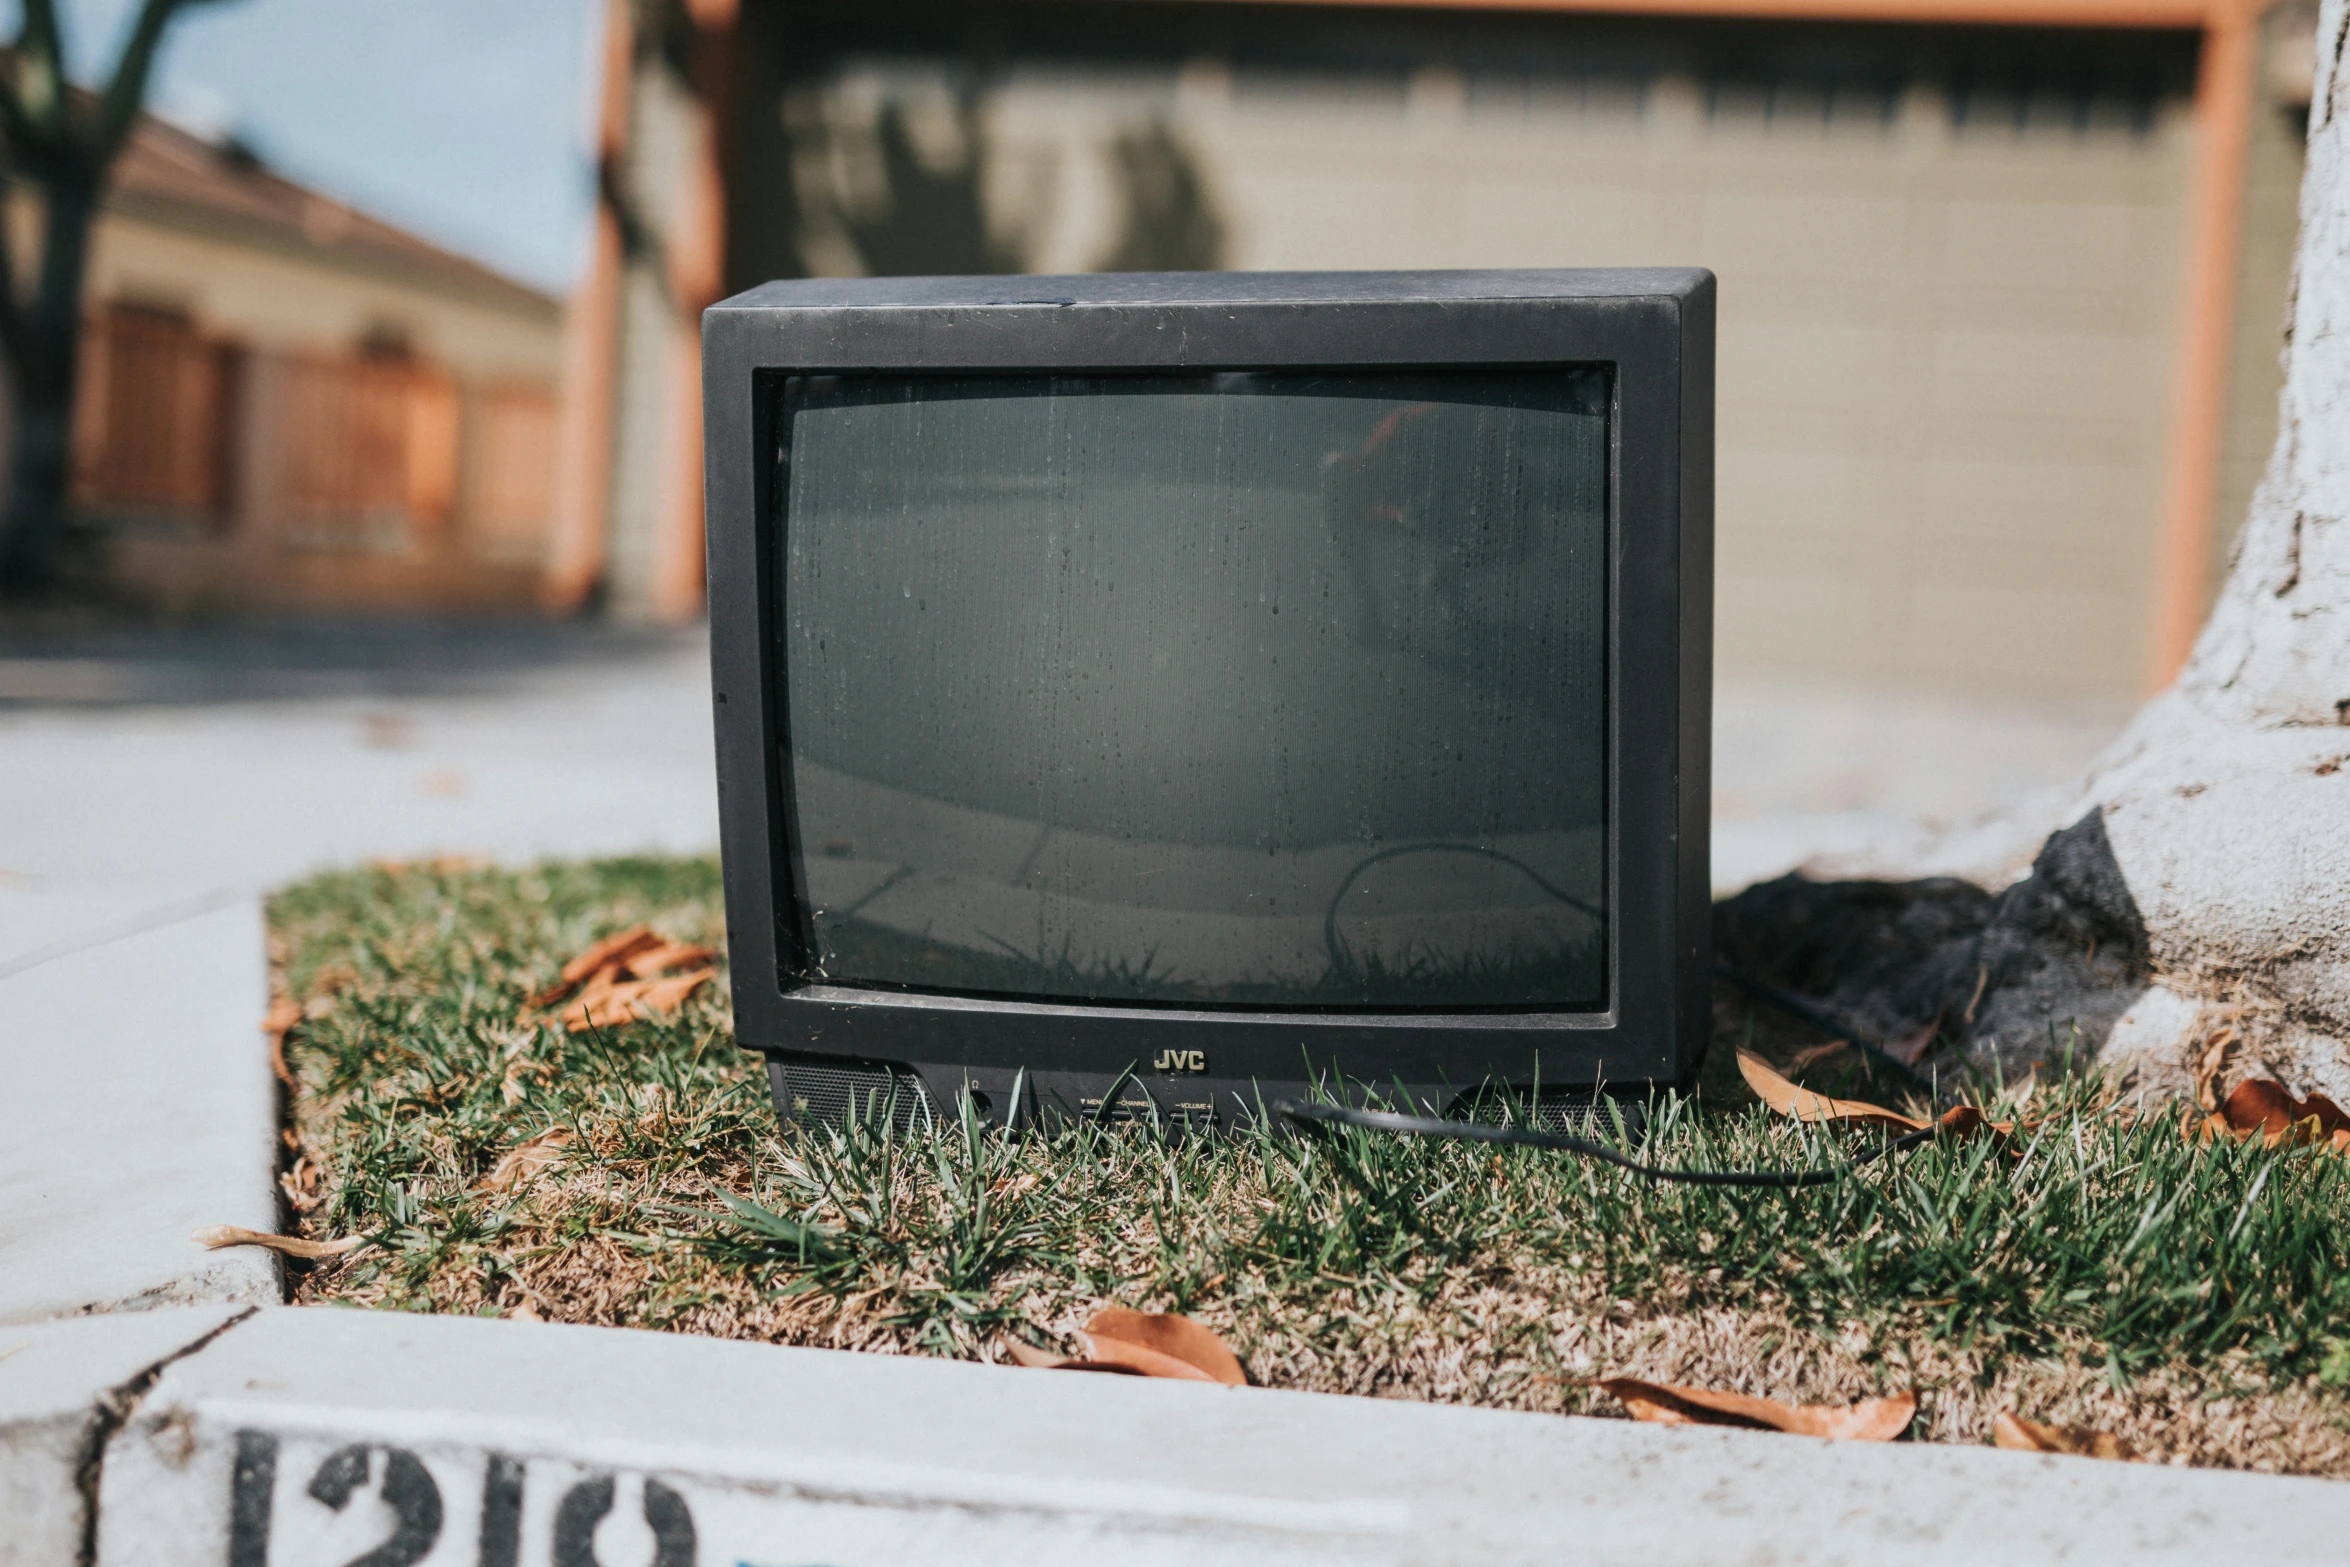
(1029, 1355)
(2262, 1107)
(524, 1162)
(1801, 1103)
(1666, 1403)
(2012, 1430)
(1812, 1055)
(654, 962)
(218, 1235)
(599, 955)
(284, 1012)
(1149, 1344)
(634, 974)
(1135, 1338)
(604, 1004)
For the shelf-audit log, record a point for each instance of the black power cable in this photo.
(1321, 1115)
(1828, 1020)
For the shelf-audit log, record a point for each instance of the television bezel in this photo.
(1652, 327)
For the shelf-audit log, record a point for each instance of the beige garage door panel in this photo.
(1803, 368)
(1815, 508)
(2065, 519)
(2064, 244)
(2020, 637)
(1803, 619)
(1529, 225)
(1946, 350)
(2061, 376)
(1806, 236)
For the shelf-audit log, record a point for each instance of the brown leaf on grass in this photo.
(525, 1162)
(612, 950)
(284, 1012)
(1667, 1403)
(2011, 1430)
(1029, 1355)
(2264, 1108)
(216, 1236)
(1145, 1344)
(1137, 1338)
(634, 974)
(1812, 1055)
(607, 1004)
(2264, 1105)
(1801, 1103)
(615, 948)
(670, 956)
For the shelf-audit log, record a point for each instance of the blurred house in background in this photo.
(2001, 279)
(287, 405)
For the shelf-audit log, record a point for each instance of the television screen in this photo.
(1159, 694)
(1265, 690)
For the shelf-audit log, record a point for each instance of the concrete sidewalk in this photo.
(143, 826)
(139, 1106)
(214, 776)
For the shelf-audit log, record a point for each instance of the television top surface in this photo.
(1266, 674)
(1155, 289)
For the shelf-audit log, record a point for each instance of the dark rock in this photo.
(2011, 978)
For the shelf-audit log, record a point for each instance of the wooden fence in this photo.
(384, 454)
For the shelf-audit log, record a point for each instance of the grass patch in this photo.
(2100, 1271)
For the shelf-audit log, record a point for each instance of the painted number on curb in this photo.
(410, 1521)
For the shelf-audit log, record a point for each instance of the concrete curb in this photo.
(310, 1438)
(64, 1387)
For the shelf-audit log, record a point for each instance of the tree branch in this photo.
(32, 89)
(41, 43)
(16, 123)
(119, 104)
(12, 336)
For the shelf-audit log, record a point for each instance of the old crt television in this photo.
(1151, 695)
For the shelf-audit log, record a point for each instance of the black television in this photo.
(1153, 695)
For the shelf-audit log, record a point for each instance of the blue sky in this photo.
(465, 121)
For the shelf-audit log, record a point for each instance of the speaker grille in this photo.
(1572, 1112)
(832, 1093)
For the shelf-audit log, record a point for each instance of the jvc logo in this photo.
(1181, 1061)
